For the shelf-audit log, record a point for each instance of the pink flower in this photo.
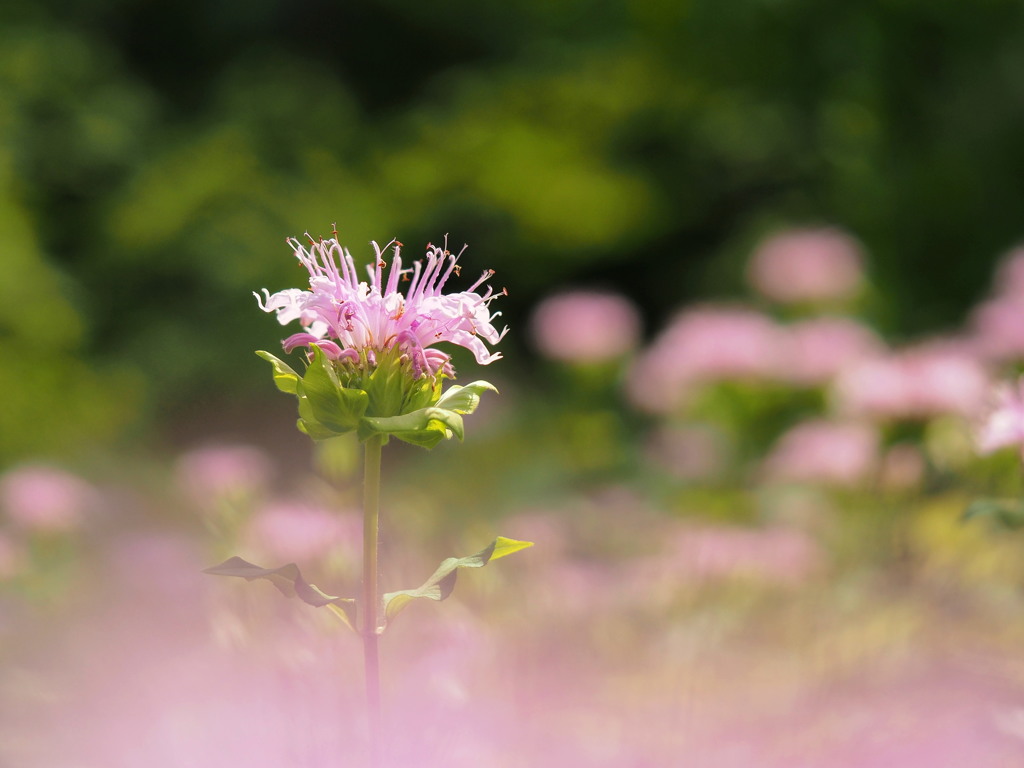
(12, 558)
(45, 499)
(931, 379)
(1010, 274)
(354, 321)
(707, 344)
(773, 554)
(586, 326)
(822, 347)
(998, 328)
(1004, 425)
(807, 265)
(824, 452)
(690, 452)
(220, 472)
(902, 468)
(295, 531)
(998, 323)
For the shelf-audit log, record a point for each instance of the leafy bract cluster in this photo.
(337, 397)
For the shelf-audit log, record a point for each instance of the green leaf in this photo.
(315, 429)
(424, 439)
(289, 581)
(439, 420)
(442, 581)
(1006, 513)
(336, 407)
(464, 399)
(285, 379)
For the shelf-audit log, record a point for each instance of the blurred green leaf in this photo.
(1006, 513)
(441, 583)
(289, 581)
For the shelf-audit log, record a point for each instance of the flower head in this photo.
(355, 321)
(372, 365)
(1004, 425)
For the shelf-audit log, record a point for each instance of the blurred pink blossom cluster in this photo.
(12, 557)
(710, 343)
(45, 499)
(219, 473)
(997, 324)
(773, 555)
(703, 344)
(836, 453)
(918, 382)
(807, 266)
(586, 326)
(39, 500)
(288, 530)
(689, 451)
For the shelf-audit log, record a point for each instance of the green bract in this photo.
(338, 398)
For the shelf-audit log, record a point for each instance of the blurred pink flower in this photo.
(1004, 425)
(903, 467)
(773, 555)
(45, 499)
(807, 265)
(707, 344)
(296, 531)
(997, 326)
(919, 382)
(586, 326)
(824, 452)
(12, 557)
(223, 472)
(690, 452)
(822, 347)
(1009, 281)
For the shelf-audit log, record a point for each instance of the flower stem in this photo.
(371, 657)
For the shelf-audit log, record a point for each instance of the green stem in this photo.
(371, 656)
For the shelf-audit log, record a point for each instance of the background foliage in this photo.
(154, 156)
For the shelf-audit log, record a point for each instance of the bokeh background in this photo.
(763, 278)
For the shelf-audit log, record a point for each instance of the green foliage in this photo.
(647, 144)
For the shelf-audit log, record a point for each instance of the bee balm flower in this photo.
(354, 321)
(372, 364)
